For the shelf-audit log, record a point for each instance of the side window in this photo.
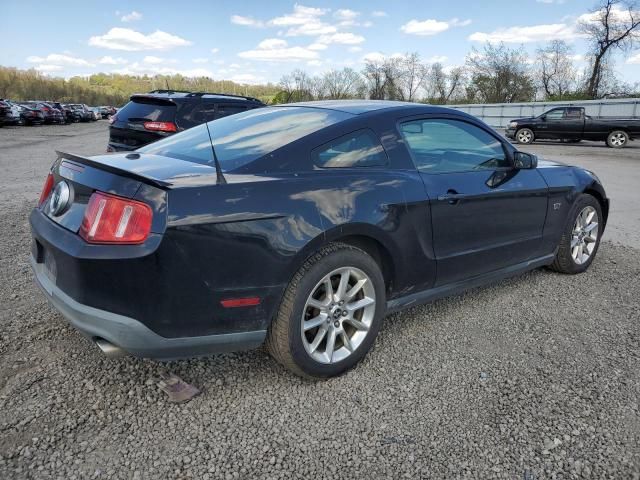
(574, 113)
(356, 149)
(557, 114)
(443, 145)
(224, 110)
(204, 112)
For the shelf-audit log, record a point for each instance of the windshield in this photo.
(242, 138)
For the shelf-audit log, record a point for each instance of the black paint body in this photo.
(249, 236)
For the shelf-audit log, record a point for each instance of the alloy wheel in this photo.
(338, 315)
(524, 136)
(585, 235)
(618, 139)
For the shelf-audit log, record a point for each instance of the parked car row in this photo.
(36, 112)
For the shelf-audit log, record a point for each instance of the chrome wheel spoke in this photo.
(312, 302)
(357, 324)
(331, 342)
(315, 322)
(358, 304)
(342, 286)
(355, 289)
(591, 226)
(318, 338)
(346, 341)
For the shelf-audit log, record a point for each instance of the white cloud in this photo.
(200, 60)
(378, 13)
(431, 26)
(534, 33)
(277, 50)
(317, 46)
(355, 49)
(634, 60)
(299, 16)
(271, 43)
(48, 68)
(314, 63)
(345, 14)
(375, 57)
(109, 60)
(344, 38)
(131, 17)
(437, 59)
(140, 68)
(151, 60)
(215, 50)
(130, 40)
(311, 28)
(60, 59)
(249, 78)
(246, 21)
(617, 14)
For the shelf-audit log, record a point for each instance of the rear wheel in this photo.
(617, 139)
(330, 314)
(525, 136)
(581, 238)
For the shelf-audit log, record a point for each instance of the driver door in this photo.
(485, 214)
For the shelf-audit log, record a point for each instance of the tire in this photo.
(566, 260)
(525, 136)
(293, 347)
(617, 139)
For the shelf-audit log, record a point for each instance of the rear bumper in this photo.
(133, 336)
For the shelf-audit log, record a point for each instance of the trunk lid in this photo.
(127, 129)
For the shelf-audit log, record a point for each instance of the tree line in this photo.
(493, 74)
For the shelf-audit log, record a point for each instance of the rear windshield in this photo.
(147, 111)
(242, 138)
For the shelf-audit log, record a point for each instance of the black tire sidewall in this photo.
(347, 257)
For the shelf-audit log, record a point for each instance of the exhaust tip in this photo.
(109, 349)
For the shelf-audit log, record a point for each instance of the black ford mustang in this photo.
(300, 226)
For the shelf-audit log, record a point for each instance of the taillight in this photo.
(160, 126)
(46, 189)
(111, 219)
(46, 109)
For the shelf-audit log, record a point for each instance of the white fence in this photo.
(499, 114)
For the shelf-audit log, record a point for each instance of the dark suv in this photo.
(160, 113)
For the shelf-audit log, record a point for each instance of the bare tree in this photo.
(412, 74)
(340, 84)
(375, 78)
(499, 74)
(442, 87)
(296, 87)
(613, 25)
(556, 71)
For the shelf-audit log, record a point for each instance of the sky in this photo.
(258, 41)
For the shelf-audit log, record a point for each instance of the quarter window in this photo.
(356, 149)
(444, 145)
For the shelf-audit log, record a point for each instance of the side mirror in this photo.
(524, 161)
(543, 118)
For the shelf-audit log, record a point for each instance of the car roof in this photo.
(357, 107)
(183, 95)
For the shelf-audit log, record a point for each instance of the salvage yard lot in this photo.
(533, 377)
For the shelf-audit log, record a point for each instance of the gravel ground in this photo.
(535, 377)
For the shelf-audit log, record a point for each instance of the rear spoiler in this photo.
(152, 99)
(111, 169)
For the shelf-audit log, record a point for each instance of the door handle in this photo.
(452, 197)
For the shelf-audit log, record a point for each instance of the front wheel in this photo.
(330, 314)
(617, 139)
(525, 136)
(581, 238)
